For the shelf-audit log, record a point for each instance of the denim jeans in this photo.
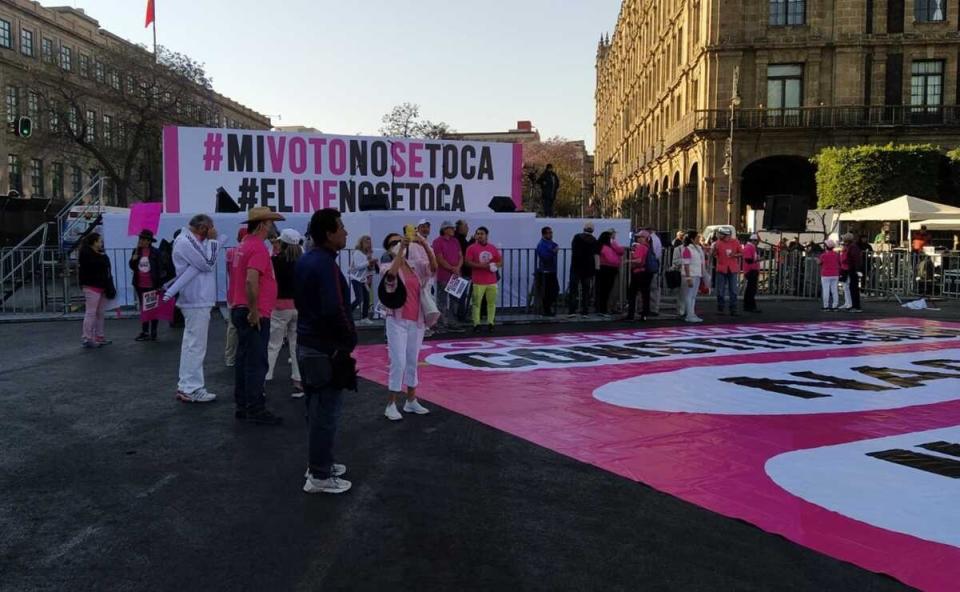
(323, 408)
(251, 365)
(727, 287)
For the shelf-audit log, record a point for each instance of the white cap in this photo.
(423, 221)
(290, 236)
(588, 226)
(755, 237)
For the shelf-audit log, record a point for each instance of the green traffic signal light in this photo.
(24, 127)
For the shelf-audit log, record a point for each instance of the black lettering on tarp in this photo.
(266, 192)
(789, 387)
(449, 161)
(717, 343)
(348, 196)
(379, 159)
(938, 465)
(358, 158)
(945, 364)
(433, 149)
(613, 351)
(484, 360)
(458, 205)
(551, 356)
(467, 169)
(900, 377)
(486, 164)
(942, 447)
(427, 197)
(259, 154)
(747, 339)
(240, 153)
(395, 197)
(282, 197)
(667, 348)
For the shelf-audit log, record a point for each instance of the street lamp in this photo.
(728, 153)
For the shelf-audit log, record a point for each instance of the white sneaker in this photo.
(297, 395)
(415, 407)
(336, 470)
(693, 319)
(198, 396)
(331, 485)
(392, 413)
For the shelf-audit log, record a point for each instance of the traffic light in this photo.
(24, 127)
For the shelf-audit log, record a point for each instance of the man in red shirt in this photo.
(751, 271)
(484, 259)
(449, 261)
(253, 295)
(727, 252)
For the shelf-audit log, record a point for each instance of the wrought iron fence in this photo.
(45, 280)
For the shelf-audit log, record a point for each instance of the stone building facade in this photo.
(809, 74)
(33, 37)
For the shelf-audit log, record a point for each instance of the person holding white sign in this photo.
(485, 260)
(406, 325)
(693, 269)
(450, 262)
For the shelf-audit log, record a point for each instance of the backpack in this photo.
(651, 264)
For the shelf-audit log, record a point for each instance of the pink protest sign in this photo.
(843, 437)
(144, 216)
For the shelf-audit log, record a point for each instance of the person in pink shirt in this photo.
(230, 348)
(640, 277)
(484, 259)
(830, 276)
(253, 292)
(405, 326)
(751, 271)
(727, 253)
(446, 247)
(611, 253)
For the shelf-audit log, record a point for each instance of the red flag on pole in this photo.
(150, 13)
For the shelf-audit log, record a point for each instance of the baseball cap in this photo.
(446, 224)
(724, 231)
(588, 226)
(290, 236)
(423, 221)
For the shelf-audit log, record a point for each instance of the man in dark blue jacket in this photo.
(325, 335)
(547, 270)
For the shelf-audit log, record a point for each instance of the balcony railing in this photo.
(876, 116)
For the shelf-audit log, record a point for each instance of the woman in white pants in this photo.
(405, 325)
(829, 276)
(692, 264)
(283, 320)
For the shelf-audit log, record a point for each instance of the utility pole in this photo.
(728, 164)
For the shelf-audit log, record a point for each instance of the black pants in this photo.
(551, 288)
(750, 294)
(548, 206)
(323, 408)
(146, 326)
(606, 277)
(854, 279)
(251, 366)
(578, 291)
(639, 282)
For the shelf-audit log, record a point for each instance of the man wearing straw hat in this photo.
(253, 291)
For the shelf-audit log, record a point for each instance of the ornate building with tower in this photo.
(706, 107)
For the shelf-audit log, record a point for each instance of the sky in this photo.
(339, 66)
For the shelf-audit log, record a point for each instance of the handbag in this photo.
(428, 306)
(673, 278)
(392, 299)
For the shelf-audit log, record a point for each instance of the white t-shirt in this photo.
(359, 266)
(692, 255)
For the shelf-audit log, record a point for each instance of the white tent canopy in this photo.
(903, 208)
(944, 224)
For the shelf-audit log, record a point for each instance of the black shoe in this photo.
(734, 313)
(476, 328)
(643, 317)
(262, 417)
(653, 314)
(755, 310)
(489, 328)
(240, 414)
(141, 337)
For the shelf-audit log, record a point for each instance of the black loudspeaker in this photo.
(502, 204)
(373, 202)
(225, 203)
(785, 212)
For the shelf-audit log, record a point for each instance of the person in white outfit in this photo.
(405, 325)
(362, 266)
(693, 266)
(283, 319)
(676, 262)
(195, 255)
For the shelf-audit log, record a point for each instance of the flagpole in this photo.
(156, 58)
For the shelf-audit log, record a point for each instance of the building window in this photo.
(14, 173)
(121, 135)
(72, 121)
(6, 39)
(115, 80)
(84, 66)
(930, 11)
(36, 177)
(926, 90)
(788, 12)
(33, 109)
(57, 180)
(46, 48)
(26, 42)
(98, 72)
(91, 125)
(76, 180)
(66, 58)
(54, 120)
(107, 131)
(784, 91)
(13, 103)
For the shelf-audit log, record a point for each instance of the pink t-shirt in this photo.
(610, 254)
(144, 279)
(639, 257)
(253, 254)
(725, 251)
(447, 249)
(485, 254)
(829, 264)
(750, 252)
(411, 306)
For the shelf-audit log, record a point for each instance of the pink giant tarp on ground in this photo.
(843, 437)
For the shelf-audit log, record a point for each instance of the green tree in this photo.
(862, 176)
